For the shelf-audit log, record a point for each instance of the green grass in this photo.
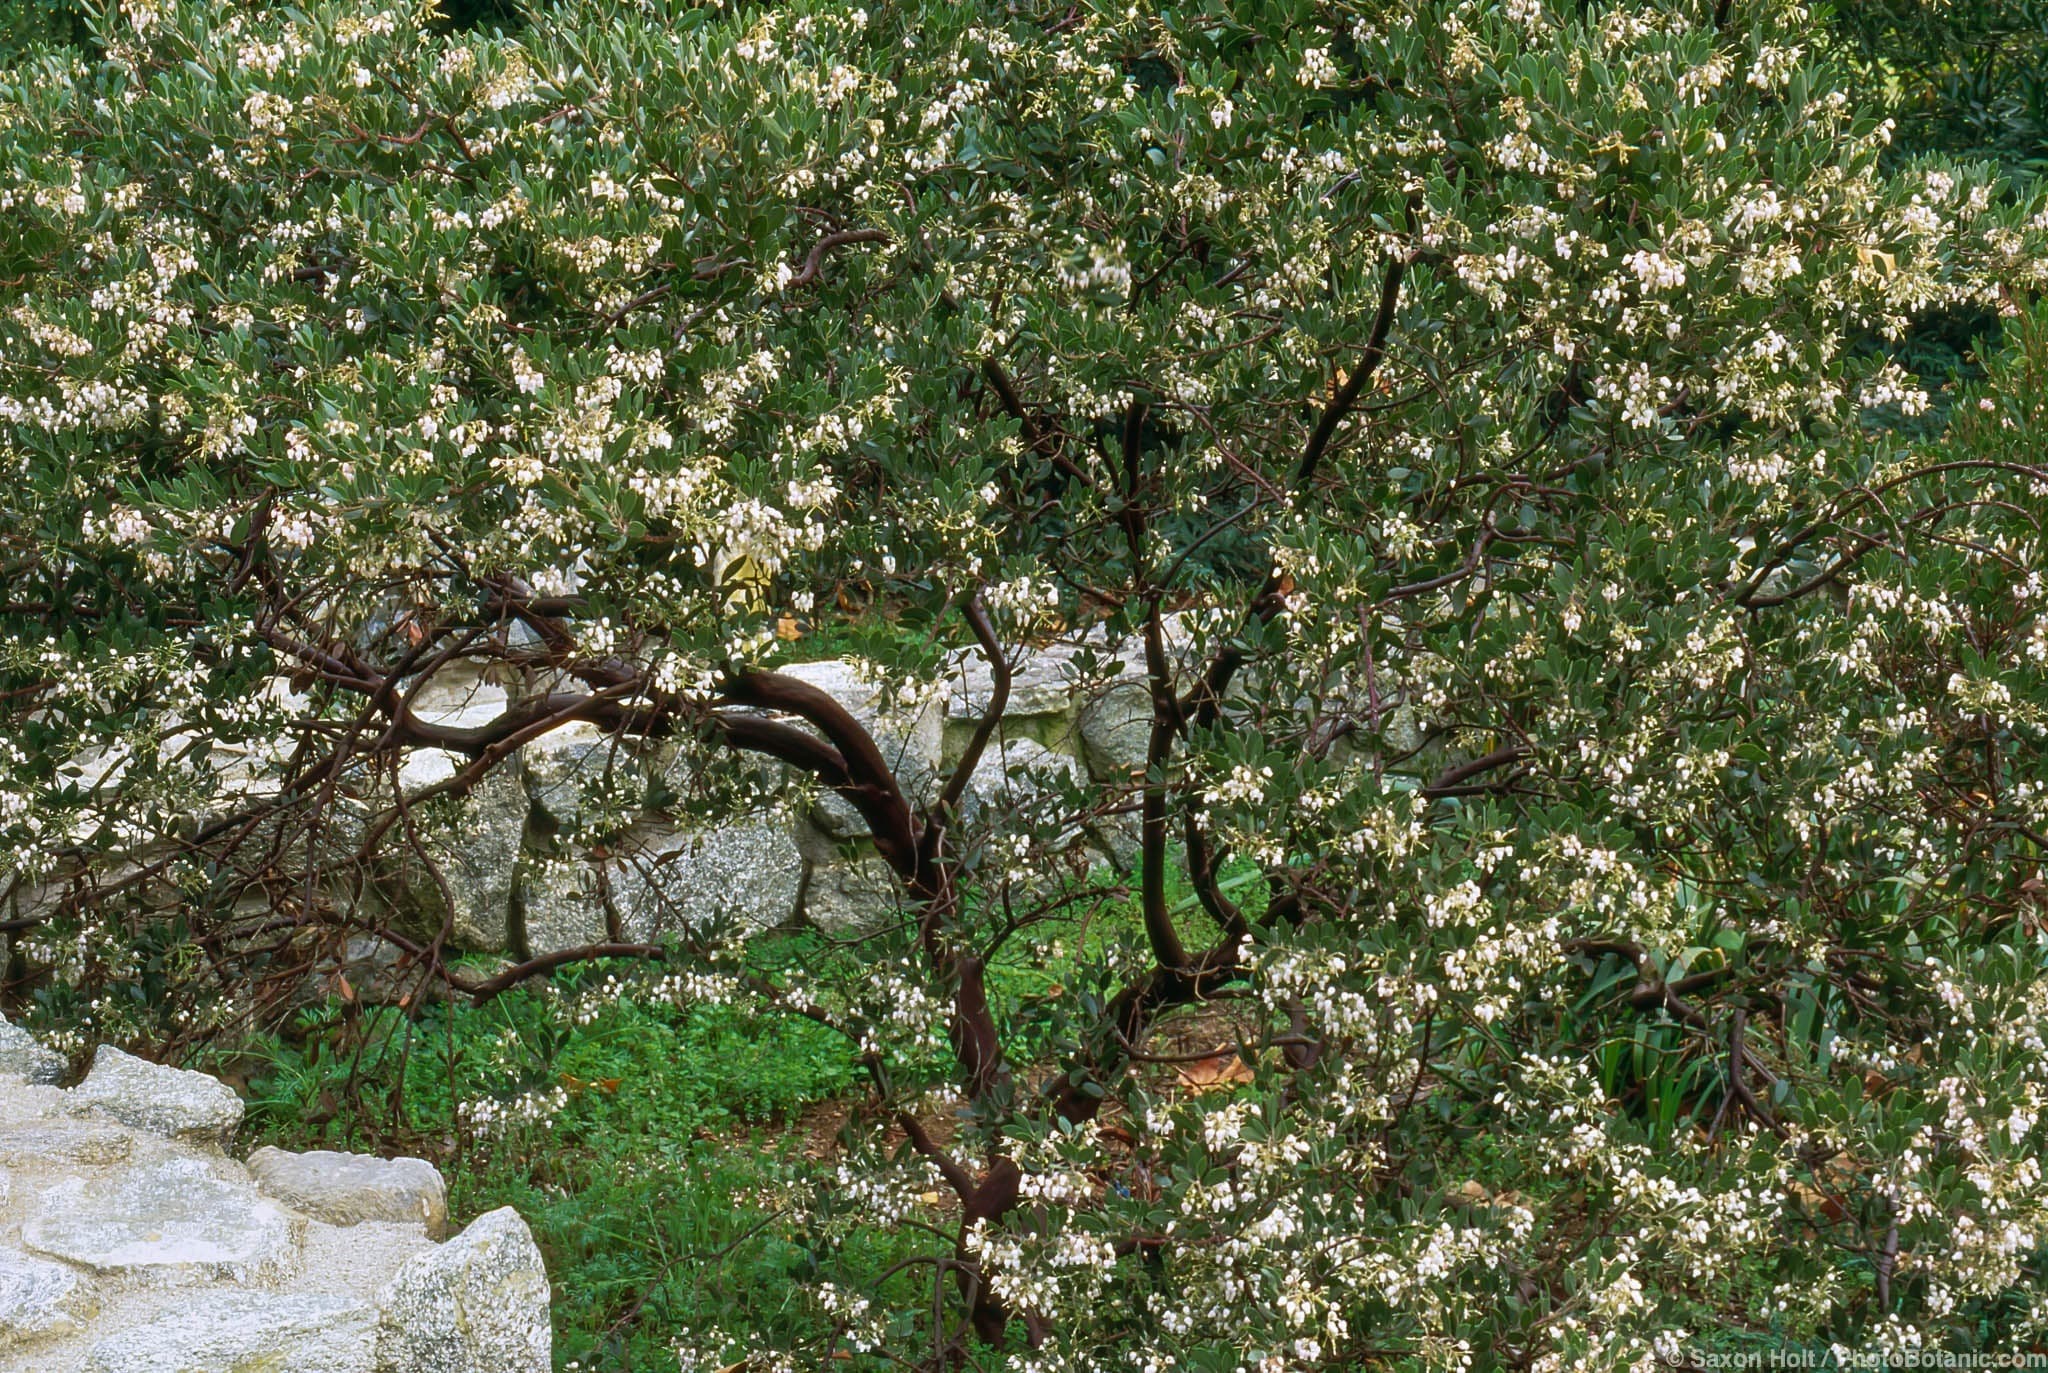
(653, 1189)
(657, 1188)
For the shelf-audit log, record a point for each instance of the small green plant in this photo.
(653, 1147)
(632, 1136)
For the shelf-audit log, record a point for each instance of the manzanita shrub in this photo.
(1602, 735)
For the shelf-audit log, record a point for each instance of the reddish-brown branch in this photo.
(1368, 363)
(1205, 702)
(958, 1178)
(814, 264)
(948, 803)
(1043, 441)
(1160, 932)
(1451, 777)
(870, 785)
(784, 743)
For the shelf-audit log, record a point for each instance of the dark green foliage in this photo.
(29, 26)
(1968, 78)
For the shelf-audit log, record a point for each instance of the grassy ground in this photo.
(671, 1137)
(650, 1184)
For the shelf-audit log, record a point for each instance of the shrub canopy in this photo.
(1596, 692)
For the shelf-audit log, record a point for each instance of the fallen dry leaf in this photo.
(1217, 1074)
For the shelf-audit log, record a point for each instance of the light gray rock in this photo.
(1406, 730)
(1116, 729)
(39, 1298)
(908, 731)
(31, 901)
(427, 767)
(477, 851)
(346, 1189)
(847, 898)
(82, 1142)
(848, 889)
(686, 772)
(22, 1055)
(164, 1101)
(461, 695)
(356, 1261)
(175, 1219)
(568, 767)
(663, 881)
(247, 1332)
(1118, 840)
(1115, 706)
(126, 1251)
(558, 904)
(749, 873)
(1113, 720)
(1014, 774)
(1018, 789)
(477, 1304)
(1041, 683)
